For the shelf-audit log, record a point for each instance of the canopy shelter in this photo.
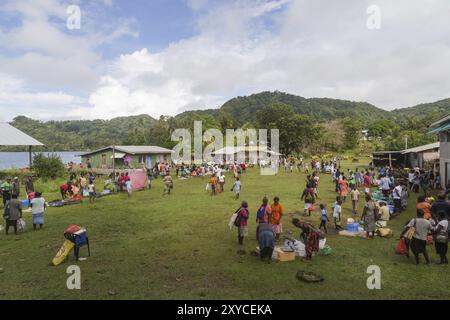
(10, 136)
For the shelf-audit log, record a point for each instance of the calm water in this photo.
(17, 160)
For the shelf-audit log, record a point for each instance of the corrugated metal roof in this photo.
(133, 150)
(422, 148)
(440, 121)
(10, 136)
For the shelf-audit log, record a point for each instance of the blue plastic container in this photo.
(391, 209)
(80, 239)
(24, 203)
(352, 227)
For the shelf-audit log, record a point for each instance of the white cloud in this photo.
(310, 48)
(36, 104)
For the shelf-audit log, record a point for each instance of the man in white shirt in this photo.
(397, 195)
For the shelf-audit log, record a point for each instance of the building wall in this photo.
(98, 162)
(444, 162)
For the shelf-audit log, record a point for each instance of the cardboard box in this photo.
(285, 256)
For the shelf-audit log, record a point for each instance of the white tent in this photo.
(10, 136)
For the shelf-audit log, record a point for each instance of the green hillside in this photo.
(243, 112)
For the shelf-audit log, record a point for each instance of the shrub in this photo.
(48, 167)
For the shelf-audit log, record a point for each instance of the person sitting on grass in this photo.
(418, 243)
(66, 189)
(37, 210)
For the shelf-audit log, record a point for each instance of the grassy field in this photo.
(180, 247)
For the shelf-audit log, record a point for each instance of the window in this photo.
(142, 159)
(103, 159)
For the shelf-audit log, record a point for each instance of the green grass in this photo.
(180, 247)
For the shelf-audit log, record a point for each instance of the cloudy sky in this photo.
(166, 56)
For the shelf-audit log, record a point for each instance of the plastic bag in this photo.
(232, 220)
(401, 248)
(326, 250)
(21, 224)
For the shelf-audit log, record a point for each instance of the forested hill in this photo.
(75, 135)
(244, 109)
(425, 113)
(237, 112)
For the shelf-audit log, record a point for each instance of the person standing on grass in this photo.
(355, 199)
(418, 243)
(264, 212)
(237, 187)
(12, 213)
(423, 204)
(337, 209)
(440, 205)
(91, 190)
(168, 184)
(323, 218)
(242, 219)
(441, 237)
(397, 196)
(37, 210)
(385, 184)
(343, 188)
(221, 181)
(129, 187)
(367, 182)
(83, 183)
(6, 190)
(29, 185)
(213, 184)
(150, 177)
(369, 217)
(277, 213)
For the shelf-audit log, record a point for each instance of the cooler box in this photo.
(80, 238)
(285, 256)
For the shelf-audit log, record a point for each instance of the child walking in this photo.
(337, 214)
(323, 218)
(237, 187)
(355, 199)
(91, 190)
(129, 187)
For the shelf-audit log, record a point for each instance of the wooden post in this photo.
(390, 160)
(30, 158)
(114, 162)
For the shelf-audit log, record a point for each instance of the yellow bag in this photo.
(385, 232)
(63, 252)
(411, 231)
